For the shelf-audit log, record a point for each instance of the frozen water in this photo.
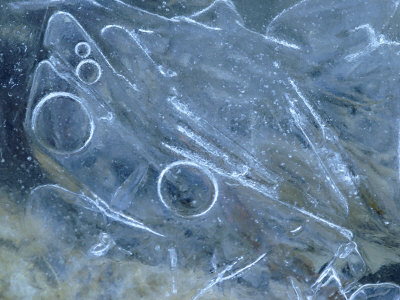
(267, 161)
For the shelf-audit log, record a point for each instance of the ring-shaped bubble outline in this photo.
(89, 49)
(197, 166)
(79, 66)
(53, 95)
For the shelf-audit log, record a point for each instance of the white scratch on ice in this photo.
(220, 277)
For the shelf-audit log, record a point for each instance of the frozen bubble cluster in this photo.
(269, 162)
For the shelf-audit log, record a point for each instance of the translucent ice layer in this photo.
(196, 143)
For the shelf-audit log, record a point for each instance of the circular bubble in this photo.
(83, 49)
(88, 71)
(187, 189)
(62, 123)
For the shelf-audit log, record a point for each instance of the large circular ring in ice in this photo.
(62, 123)
(187, 189)
(88, 71)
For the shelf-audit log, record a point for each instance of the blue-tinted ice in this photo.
(196, 142)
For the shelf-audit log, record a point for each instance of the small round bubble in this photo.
(82, 49)
(187, 189)
(88, 71)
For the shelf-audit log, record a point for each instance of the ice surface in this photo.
(266, 161)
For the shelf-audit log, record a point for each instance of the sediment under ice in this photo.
(198, 143)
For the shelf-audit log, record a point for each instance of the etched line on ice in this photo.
(296, 229)
(210, 148)
(145, 30)
(136, 40)
(216, 280)
(121, 217)
(183, 108)
(105, 243)
(276, 40)
(359, 291)
(220, 277)
(142, 10)
(214, 261)
(398, 150)
(329, 273)
(189, 20)
(173, 262)
(325, 278)
(235, 176)
(99, 205)
(201, 142)
(282, 42)
(296, 289)
(396, 6)
(284, 12)
(297, 120)
(41, 4)
(375, 41)
(344, 231)
(208, 8)
(308, 105)
(326, 133)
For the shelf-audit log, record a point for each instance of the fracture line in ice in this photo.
(282, 42)
(105, 244)
(267, 37)
(173, 262)
(220, 277)
(183, 109)
(210, 148)
(41, 4)
(374, 42)
(398, 151)
(99, 205)
(396, 6)
(131, 35)
(298, 120)
(279, 41)
(310, 108)
(189, 20)
(325, 278)
(103, 207)
(235, 176)
(142, 10)
(330, 274)
(359, 291)
(136, 40)
(344, 231)
(284, 12)
(208, 8)
(296, 289)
